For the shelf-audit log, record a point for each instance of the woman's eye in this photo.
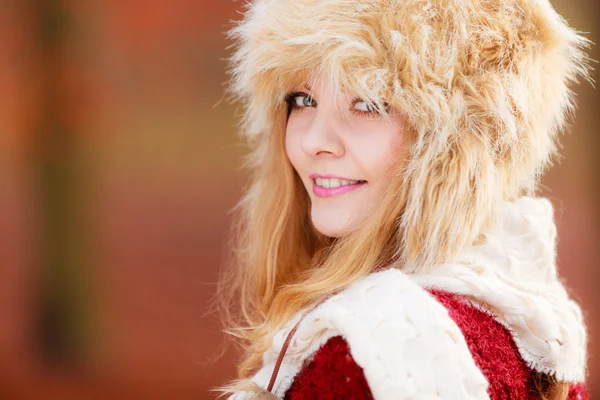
(304, 101)
(364, 106)
(300, 100)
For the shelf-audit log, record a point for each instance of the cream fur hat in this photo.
(484, 86)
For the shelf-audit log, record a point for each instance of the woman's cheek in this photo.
(292, 146)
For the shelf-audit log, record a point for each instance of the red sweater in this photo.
(333, 373)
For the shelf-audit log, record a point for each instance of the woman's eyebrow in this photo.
(307, 87)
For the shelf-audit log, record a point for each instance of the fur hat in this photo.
(484, 86)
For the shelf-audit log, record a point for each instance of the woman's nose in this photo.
(323, 136)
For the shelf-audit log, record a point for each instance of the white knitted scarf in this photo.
(514, 275)
(405, 341)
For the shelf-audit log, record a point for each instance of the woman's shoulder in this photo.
(399, 334)
(389, 337)
(490, 345)
(333, 372)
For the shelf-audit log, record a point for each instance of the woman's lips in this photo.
(329, 192)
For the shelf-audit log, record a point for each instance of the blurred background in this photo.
(118, 166)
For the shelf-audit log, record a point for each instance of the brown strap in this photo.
(287, 343)
(295, 328)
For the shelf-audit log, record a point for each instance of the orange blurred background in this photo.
(119, 164)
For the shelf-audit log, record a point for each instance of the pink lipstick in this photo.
(340, 187)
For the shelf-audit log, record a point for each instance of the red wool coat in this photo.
(333, 373)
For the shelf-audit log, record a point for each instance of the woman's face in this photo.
(344, 159)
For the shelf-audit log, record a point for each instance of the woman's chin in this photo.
(332, 227)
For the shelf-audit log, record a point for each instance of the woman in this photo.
(389, 233)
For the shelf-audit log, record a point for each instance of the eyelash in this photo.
(289, 99)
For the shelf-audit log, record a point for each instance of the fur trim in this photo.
(513, 275)
(404, 340)
(484, 85)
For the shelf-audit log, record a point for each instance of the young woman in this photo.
(389, 244)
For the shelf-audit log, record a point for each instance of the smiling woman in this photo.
(341, 145)
(390, 244)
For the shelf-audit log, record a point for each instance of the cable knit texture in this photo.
(333, 373)
(407, 342)
(398, 333)
(513, 274)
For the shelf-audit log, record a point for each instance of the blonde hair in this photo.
(281, 264)
(485, 88)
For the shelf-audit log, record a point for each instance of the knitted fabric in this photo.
(514, 275)
(493, 349)
(400, 335)
(409, 342)
(578, 391)
(333, 373)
